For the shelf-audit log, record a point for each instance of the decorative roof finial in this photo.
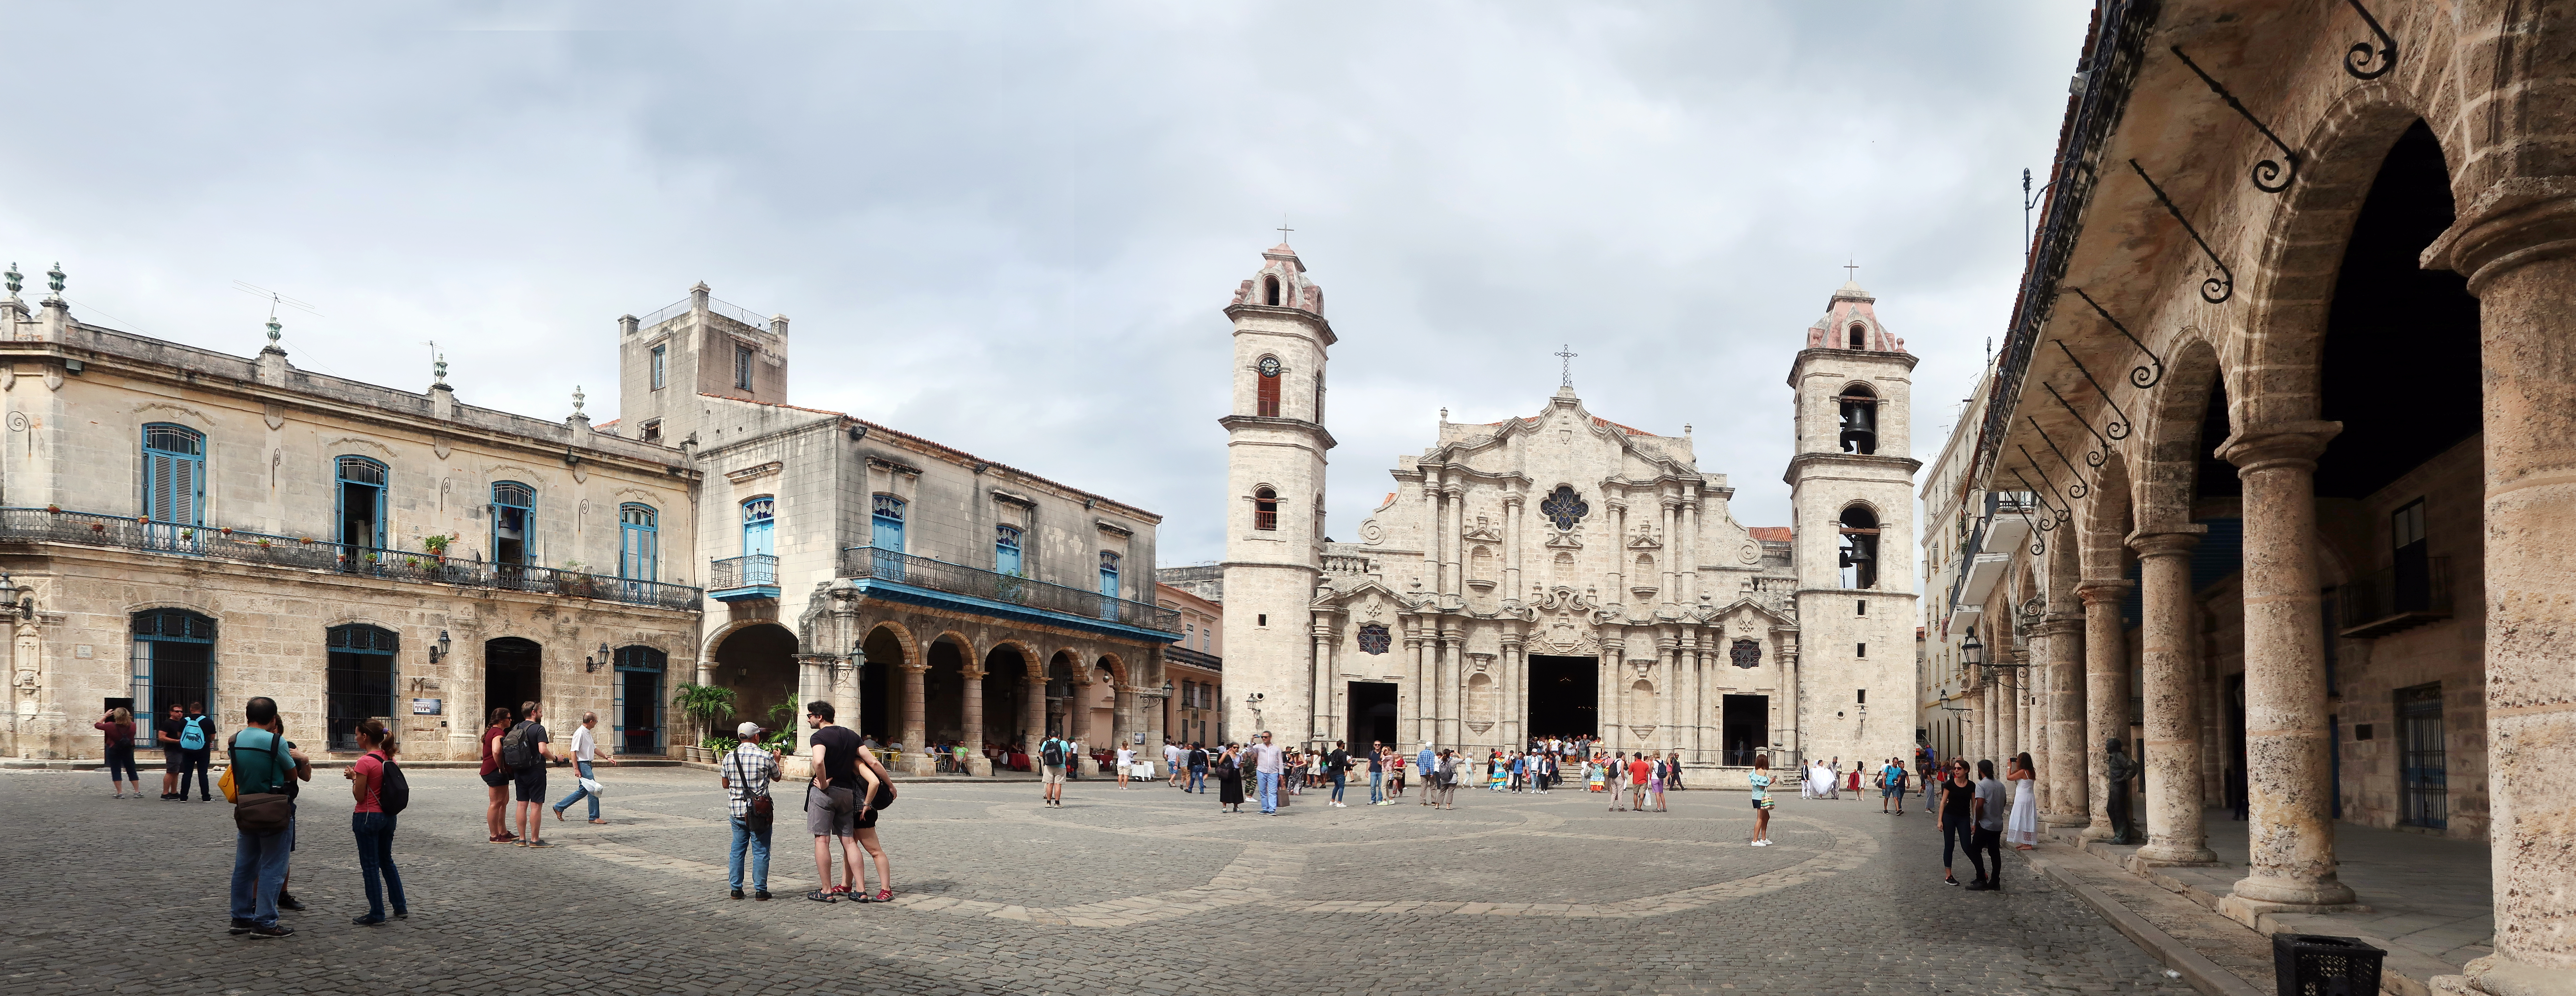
(576, 399)
(1567, 354)
(14, 277)
(438, 370)
(54, 278)
(274, 331)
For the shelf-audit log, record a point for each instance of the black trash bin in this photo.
(2317, 965)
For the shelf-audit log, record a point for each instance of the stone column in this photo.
(1669, 514)
(1511, 700)
(1613, 659)
(971, 714)
(1431, 514)
(2173, 803)
(1511, 545)
(2008, 702)
(2034, 706)
(1032, 713)
(1453, 687)
(2068, 785)
(1122, 715)
(1618, 549)
(2527, 306)
(1454, 500)
(916, 731)
(1668, 728)
(1321, 723)
(2106, 693)
(1417, 690)
(1686, 552)
(2290, 832)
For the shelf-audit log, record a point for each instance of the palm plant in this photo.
(705, 705)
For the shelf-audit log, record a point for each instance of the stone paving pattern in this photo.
(1140, 891)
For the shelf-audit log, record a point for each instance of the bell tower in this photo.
(1274, 543)
(1852, 496)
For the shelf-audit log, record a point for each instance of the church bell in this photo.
(1860, 426)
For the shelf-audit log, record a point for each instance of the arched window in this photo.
(513, 506)
(1265, 509)
(1266, 388)
(636, 719)
(173, 665)
(1859, 554)
(361, 484)
(174, 474)
(1564, 508)
(1859, 336)
(360, 678)
(1270, 291)
(639, 542)
(1006, 550)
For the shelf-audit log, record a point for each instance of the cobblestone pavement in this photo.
(1138, 891)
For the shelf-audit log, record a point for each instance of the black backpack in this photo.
(1052, 752)
(516, 751)
(393, 791)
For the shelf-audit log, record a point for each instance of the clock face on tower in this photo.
(1270, 366)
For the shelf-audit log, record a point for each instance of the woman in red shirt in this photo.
(373, 826)
(119, 728)
(496, 778)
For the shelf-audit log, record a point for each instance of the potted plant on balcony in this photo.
(1012, 587)
(437, 545)
(705, 706)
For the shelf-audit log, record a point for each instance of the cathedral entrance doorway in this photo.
(1372, 713)
(1564, 696)
(1744, 729)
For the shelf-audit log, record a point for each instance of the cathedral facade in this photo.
(1561, 574)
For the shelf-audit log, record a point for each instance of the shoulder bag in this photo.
(762, 811)
(262, 813)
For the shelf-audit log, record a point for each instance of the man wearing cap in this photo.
(1266, 762)
(745, 773)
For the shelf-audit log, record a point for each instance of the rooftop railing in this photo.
(45, 525)
(939, 575)
(714, 306)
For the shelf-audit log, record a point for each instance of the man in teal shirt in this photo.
(263, 761)
(1891, 785)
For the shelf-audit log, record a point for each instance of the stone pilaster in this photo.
(2289, 830)
(2106, 694)
(2069, 787)
(916, 731)
(2173, 803)
(971, 716)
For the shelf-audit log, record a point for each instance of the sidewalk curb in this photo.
(2203, 974)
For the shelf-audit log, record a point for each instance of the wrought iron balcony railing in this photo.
(923, 572)
(2392, 599)
(758, 570)
(37, 525)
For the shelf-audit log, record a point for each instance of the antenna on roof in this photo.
(274, 299)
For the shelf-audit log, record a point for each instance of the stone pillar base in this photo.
(2251, 912)
(979, 766)
(2064, 819)
(2095, 831)
(919, 764)
(2155, 854)
(2493, 975)
(2139, 862)
(2292, 892)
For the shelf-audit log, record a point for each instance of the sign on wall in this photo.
(425, 707)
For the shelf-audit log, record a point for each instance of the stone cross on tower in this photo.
(1567, 354)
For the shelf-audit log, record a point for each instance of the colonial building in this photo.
(188, 525)
(2290, 393)
(1192, 669)
(1563, 574)
(934, 596)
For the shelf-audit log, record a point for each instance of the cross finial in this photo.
(1852, 269)
(1284, 229)
(1567, 354)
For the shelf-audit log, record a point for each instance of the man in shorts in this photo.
(1891, 786)
(1053, 778)
(528, 784)
(173, 759)
(832, 801)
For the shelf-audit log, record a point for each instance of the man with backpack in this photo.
(264, 765)
(1337, 766)
(526, 750)
(1052, 756)
(1198, 768)
(197, 751)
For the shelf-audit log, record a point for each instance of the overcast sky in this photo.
(1012, 227)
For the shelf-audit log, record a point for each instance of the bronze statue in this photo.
(2117, 770)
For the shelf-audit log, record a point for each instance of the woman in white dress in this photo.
(2022, 829)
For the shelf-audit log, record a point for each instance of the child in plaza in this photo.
(1760, 779)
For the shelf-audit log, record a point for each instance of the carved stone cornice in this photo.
(2517, 221)
(2288, 444)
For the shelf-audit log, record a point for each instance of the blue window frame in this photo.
(885, 533)
(514, 506)
(637, 718)
(361, 498)
(173, 663)
(759, 527)
(639, 542)
(660, 355)
(1108, 573)
(174, 486)
(1006, 549)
